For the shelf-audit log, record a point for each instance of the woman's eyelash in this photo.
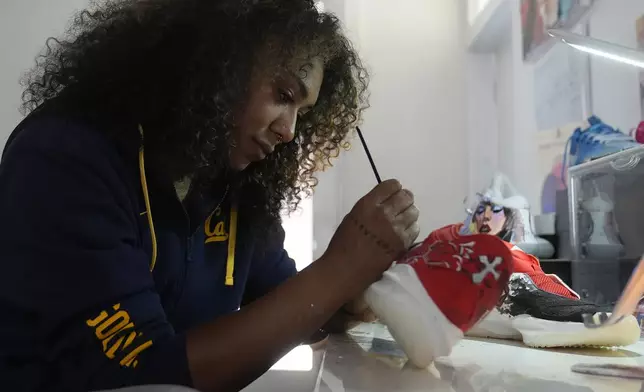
(285, 96)
(495, 209)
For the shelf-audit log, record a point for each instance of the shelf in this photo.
(575, 23)
(554, 261)
(490, 26)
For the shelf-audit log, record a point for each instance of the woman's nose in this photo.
(285, 128)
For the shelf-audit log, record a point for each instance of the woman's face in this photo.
(274, 104)
(489, 218)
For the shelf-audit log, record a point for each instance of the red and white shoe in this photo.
(542, 311)
(440, 290)
(499, 324)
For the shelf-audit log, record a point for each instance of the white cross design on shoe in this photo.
(442, 264)
(459, 262)
(489, 268)
(466, 249)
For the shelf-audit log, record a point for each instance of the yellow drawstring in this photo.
(232, 240)
(146, 197)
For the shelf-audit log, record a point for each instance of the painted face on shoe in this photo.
(489, 218)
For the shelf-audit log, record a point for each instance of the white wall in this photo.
(615, 91)
(517, 130)
(500, 133)
(474, 7)
(507, 83)
(505, 125)
(327, 199)
(24, 27)
(416, 126)
(483, 120)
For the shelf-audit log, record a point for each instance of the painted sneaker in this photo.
(543, 319)
(596, 141)
(498, 325)
(439, 291)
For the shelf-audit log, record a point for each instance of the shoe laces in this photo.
(584, 143)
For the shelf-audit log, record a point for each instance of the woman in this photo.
(140, 199)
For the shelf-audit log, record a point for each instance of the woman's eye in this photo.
(285, 97)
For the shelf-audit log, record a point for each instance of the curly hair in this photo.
(181, 69)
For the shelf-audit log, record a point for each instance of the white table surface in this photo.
(298, 371)
(368, 360)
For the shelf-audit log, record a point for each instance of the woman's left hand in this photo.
(358, 311)
(350, 315)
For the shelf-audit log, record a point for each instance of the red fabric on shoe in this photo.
(465, 277)
(521, 262)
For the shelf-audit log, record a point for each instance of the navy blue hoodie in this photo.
(81, 309)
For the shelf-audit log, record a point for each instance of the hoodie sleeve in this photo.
(80, 311)
(270, 267)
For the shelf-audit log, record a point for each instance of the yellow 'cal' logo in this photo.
(216, 232)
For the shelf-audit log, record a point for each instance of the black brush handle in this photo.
(366, 150)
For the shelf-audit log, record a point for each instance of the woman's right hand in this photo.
(378, 230)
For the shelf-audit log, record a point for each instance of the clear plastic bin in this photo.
(606, 222)
(606, 207)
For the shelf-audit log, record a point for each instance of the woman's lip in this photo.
(266, 147)
(485, 229)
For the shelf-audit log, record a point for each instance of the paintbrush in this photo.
(366, 150)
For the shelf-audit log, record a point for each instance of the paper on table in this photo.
(374, 338)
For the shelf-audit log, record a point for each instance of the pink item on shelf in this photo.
(638, 133)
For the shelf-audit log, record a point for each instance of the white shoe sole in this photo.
(414, 321)
(495, 326)
(539, 333)
(548, 334)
